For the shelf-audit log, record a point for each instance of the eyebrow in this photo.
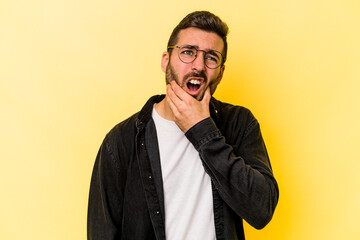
(197, 47)
(213, 52)
(190, 46)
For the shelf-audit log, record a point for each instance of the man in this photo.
(187, 166)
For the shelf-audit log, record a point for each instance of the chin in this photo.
(199, 97)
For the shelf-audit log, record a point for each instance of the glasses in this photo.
(188, 53)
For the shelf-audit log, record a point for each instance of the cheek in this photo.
(214, 82)
(180, 71)
(215, 77)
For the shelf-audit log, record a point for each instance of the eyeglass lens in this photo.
(188, 54)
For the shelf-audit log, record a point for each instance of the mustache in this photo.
(194, 74)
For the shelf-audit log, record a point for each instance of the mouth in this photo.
(194, 85)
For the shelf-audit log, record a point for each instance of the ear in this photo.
(164, 61)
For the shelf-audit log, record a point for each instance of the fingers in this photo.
(180, 93)
(186, 110)
(172, 105)
(172, 95)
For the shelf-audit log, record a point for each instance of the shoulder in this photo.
(232, 120)
(229, 112)
(122, 132)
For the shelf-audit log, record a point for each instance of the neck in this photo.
(164, 110)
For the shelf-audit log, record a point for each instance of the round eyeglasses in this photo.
(188, 53)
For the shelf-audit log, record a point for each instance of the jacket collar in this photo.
(145, 113)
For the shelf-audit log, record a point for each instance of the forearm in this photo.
(245, 183)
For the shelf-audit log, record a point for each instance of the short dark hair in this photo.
(203, 20)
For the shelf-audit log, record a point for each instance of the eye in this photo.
(187, 51)
(212, 57)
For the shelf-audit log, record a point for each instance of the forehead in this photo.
(202, 39)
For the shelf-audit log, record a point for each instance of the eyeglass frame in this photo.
(197, 50)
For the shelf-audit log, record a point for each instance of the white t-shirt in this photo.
(187, 187)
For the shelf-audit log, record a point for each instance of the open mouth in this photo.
(193, 85)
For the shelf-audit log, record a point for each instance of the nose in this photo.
(198, 64)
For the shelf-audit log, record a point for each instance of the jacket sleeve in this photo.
(241, 172)
(105, 197)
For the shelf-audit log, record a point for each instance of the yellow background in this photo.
(70, 70)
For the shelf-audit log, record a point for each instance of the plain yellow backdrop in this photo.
(71, 70)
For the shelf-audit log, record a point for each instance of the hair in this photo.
(203, 20)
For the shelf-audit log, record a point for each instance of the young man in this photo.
(187, 166)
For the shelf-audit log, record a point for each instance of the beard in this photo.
(172, 76)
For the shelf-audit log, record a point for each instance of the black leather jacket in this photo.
(126, 194)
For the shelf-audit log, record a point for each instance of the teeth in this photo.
(195, 82)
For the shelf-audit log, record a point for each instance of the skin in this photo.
(182, 105)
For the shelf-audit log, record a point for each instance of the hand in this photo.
(186, 109)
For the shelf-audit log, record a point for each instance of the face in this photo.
(194, 77)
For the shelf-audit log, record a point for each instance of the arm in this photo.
(245, 182)
(105, 197)
(243, 175)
